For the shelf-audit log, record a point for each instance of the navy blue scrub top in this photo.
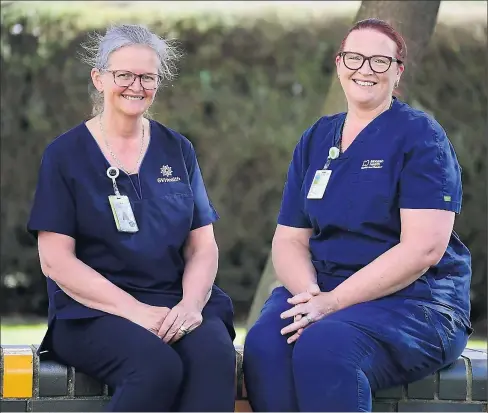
(402, 159)
(168, 198)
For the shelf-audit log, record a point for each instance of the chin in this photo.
(133, 111)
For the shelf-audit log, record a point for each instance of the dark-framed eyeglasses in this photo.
(377, 63)
(125, 78)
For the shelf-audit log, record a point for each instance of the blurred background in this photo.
(253, 77)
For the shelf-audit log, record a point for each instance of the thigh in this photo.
(392, 341)
(269, 318)
(208, 346)
(110, 348)
(209, 365)
(268, 370)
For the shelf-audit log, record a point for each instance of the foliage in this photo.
(246, 91)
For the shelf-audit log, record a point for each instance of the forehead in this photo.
(136, 58)
(370, 42)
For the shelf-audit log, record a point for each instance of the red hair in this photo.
(382, 27)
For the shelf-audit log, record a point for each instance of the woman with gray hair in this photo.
(126, 241)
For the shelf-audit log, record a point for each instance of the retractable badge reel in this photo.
(121, 207)
(322, 176)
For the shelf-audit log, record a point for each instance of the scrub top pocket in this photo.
(369, 198)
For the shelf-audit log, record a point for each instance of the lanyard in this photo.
(335, 150)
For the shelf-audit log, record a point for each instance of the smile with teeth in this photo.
(363, 83)
(129, 97)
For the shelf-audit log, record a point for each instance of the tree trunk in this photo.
(416, 21)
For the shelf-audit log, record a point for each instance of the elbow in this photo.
(434, 254)
(428, 255)
(52, 267)
(47, 267)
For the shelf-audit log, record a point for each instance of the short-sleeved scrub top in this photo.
(402, 159)
(168, 199)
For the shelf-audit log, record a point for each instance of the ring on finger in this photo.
(309, 319)
(184, 330)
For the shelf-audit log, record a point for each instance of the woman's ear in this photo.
(337, 61)
(97, 79)
(400, 70)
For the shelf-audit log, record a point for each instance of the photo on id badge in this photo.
(319, 183)
(123, 215)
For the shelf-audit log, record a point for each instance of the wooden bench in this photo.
(29, 385)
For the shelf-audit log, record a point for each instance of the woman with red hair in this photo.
(375, 282)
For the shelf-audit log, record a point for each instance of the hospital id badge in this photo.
(123, 215)
(319, 183)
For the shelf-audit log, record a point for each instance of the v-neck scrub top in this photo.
(168, 198)
(402, 159)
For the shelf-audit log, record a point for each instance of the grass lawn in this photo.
(32, 334)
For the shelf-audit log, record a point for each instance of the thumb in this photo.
(314, 289)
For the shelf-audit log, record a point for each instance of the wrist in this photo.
(192, 302)
(132, 309)
(313, 288)
(336, 300)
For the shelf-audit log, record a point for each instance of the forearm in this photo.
(293, 267)
(89, 288)
(392, 271)
(199, 275)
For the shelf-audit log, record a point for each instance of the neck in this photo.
(120, 126)
(359, 114)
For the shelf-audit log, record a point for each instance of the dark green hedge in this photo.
(245, 93)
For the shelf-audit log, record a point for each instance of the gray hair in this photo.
(98, 49)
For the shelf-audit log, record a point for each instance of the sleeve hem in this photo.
(290, 222)
(431, 204)
(34, 230)
(204, 222)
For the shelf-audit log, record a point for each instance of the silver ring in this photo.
(309, 319)
(184, 330)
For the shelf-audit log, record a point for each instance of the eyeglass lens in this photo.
(378, 64)
(124, 79)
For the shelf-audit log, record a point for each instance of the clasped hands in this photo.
(172, 324)
(308, 307)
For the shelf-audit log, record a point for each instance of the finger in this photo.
(185, 328)
(174, 328)
(293, 327)
(300, 298)
(297, 309)
(178, 336)
(293, 338)
(167, 323)
(192, 326)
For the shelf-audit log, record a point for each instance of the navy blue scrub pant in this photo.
(338, 362)
(196, 374)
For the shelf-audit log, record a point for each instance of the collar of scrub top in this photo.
(335, 152)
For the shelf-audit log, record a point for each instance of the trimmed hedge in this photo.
(246, 91)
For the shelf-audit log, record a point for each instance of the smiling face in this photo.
(363, 87)
(122, 93)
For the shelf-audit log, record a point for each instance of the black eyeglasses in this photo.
(377, 63)
(124, 78)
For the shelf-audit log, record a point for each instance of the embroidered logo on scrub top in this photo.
(372, 164)
(167, 173)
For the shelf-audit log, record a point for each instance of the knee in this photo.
(330, 342)
(159, 366)
(208, 348)
(263, 342)
(218, 351)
